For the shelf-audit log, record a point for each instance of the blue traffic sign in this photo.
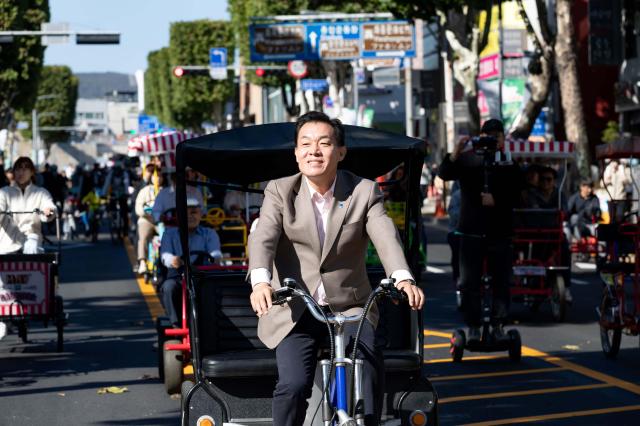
(346, 40)
(316, 85)
(218, 57)
(148, 123)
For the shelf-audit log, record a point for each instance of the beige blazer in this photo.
(286, 243)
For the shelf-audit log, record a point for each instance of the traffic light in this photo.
(180, 71)
(260, 72)
(98, 38)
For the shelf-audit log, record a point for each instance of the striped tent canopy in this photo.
(156, 143)
(521, 148)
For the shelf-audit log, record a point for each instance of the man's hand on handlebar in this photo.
(176, 262)
(47, 211)
(261, 298)
(415, 295)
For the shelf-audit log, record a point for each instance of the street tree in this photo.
(559, 51)
(57, 93)
(158, 81)
(20, 60)
(567, 66)
(196, 98)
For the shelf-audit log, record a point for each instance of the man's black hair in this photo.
(586, 181)
(321, 117)
(549, 170)
(492, 125)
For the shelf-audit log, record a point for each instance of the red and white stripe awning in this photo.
(156, 143)
(520, 148)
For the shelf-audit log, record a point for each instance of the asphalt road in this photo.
(563, 377)
(110, 339)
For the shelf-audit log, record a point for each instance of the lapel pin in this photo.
(340, 204)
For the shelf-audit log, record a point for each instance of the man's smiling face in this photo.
(317, 151)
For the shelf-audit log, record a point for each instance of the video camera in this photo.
(484, 144)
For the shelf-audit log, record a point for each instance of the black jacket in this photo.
(506, 182)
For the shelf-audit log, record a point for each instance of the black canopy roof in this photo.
(264, 152)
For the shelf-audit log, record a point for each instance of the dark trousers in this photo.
(498, 253)
(454, 244)
(171, 298)
(297, 356)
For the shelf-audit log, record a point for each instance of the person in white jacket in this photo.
(19, 229)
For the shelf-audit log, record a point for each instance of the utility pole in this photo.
(448, 98)
(408, 97)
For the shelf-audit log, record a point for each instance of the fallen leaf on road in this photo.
(61, 394)
(112, 389)
(571, 347)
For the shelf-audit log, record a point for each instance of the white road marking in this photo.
(586, 266)
(434, 270)
(579, 282)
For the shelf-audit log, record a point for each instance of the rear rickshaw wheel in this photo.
(172, 362)
(515, 346)
(22, 331)
(162, 323)
(458, 342)
(558, 301)
(60, 323)
(609, 336)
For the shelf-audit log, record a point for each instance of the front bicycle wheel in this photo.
(610, 327)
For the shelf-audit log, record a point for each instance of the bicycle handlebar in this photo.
(36, 211)
(290, 291)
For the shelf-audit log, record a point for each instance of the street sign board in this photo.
(297, 69)
(147, 123)
(383, 77)
(344, 40)
(388, 39)
(316, 85)
(218, 63)
(49, 40)
(334, 40)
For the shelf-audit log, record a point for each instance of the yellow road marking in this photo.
(470, 358)
(552, 359)
(495, 374)
(147, 290)
(610, 380)
(523, 393)
(437, 334)
(554, 416)
(437, 345)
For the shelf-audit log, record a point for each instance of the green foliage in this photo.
(193, 97)
(611, 133)
(20, 61)
(60, 110)
(158, 79)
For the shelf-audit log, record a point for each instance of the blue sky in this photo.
(143, 24)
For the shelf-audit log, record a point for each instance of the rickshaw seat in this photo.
(228, 328)
(260, 362)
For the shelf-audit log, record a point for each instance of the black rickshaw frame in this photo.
(412, 157)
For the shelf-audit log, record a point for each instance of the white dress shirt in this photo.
(321, 207)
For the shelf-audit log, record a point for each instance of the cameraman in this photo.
(486, 220)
